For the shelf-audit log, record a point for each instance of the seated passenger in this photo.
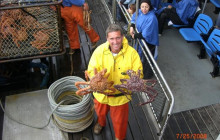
(156, 4)
(181, 13)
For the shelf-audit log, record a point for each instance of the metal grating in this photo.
(30, 31)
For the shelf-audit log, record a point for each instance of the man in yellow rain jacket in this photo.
(72, 13)
(117, 57)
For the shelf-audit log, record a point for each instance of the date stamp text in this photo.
(191, 136)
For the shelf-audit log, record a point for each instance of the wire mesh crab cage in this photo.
(30, 29)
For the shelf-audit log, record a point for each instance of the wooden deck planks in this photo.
(204, 120)
(141, 119)
(217, 109)
(88, 133)
(95, 137)
(168, 134)
(2, 114)
(200, 122)
(208, 122)
(191, 122)
(129, 135)
(99, 17)
(108, 132)
(174, 126)
(182, 123)
(137, 128)
(76, 136)
(214, 117)
(85, 48)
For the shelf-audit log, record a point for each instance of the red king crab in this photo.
(98, 83)
(136, 84)
(41, 39)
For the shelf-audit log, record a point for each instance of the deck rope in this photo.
(75, 113)
(72, 113)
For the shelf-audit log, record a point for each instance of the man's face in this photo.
(115, 40)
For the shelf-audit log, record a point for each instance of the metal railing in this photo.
(163, 104)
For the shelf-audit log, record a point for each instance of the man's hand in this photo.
(86, 6)
(132, 32)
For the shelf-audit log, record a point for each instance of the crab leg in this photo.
(81, 83)
(103, 72)
(152, 97)
(153, 82)
(123, 80)
(152, 91)
(87, 76)
(83, 91)
(139, 73)
(121, 88)
(95, 71)
(151, 100)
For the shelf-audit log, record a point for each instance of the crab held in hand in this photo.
(98, 83)
(136, 84)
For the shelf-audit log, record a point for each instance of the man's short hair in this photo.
(113, 28)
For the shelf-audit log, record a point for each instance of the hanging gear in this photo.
(87, 19)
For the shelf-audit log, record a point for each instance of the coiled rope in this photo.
(72, 113)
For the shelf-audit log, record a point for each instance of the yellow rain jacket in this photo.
(126, 59)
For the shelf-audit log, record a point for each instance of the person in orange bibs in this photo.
(72, 13)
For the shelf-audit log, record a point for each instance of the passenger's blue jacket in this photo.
(186, 9)
(156, 4)
(69, 3)
(147, 25)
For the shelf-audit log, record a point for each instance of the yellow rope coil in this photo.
(71, 112)
(75, 121)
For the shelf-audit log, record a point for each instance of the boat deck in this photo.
(140, 126)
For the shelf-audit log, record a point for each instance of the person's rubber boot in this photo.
(97, 128)
(72, 51)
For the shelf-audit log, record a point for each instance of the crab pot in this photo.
(29, 30)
